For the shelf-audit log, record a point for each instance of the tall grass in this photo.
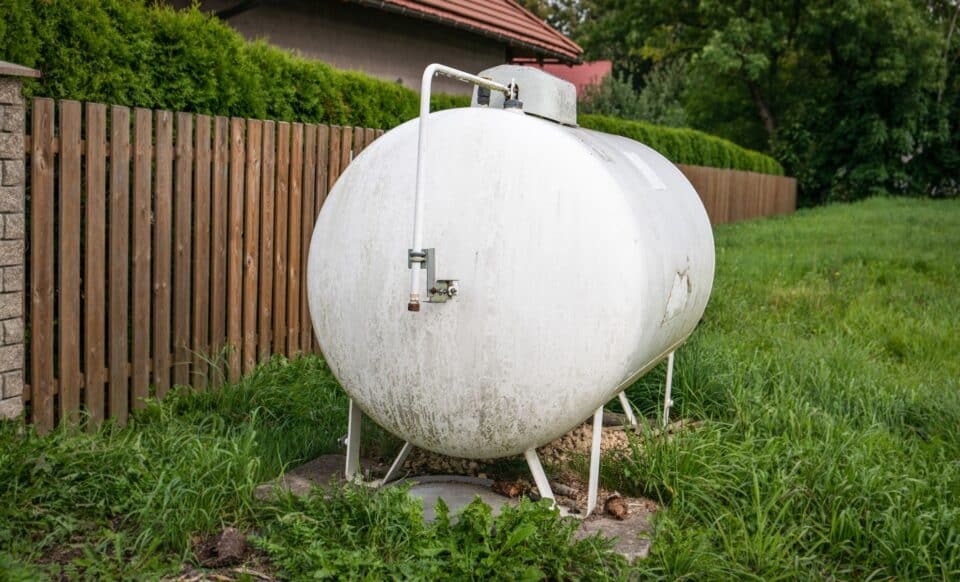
(130, 499)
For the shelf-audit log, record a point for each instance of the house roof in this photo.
(582, 75)
(501, 19)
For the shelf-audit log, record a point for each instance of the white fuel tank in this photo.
(583, 259)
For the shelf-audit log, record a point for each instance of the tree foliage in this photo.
(657, 102)
(855, 97)
(563, 15)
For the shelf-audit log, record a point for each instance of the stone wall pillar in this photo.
(12, 236)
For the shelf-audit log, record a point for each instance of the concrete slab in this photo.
(632, 533)
(456, 492)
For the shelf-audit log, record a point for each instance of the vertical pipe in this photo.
(594, 484)
(426, 83)
(353, 442)
(668, 394)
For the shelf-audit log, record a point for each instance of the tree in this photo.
(842, 91)
(563, 15)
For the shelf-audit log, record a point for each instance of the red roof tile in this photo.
(582, 75)
(503, 19)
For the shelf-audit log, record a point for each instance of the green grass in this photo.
(827, 367)
(825, 371)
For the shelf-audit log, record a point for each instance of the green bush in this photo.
(686, 146)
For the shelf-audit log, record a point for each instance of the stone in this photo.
(616, 506)
(12, 172)
(13, 226)
(11, 92)
(13, 119)
(13, 331)
(11, 252)
(11, 198)
(13, 384)
(11, 357)
(11, 408)
(224, 549)
(319, 472)
(11, 146)
(13, 278)
(11, 305)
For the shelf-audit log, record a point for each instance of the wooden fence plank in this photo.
(235, 247)
(323, 171)
(358, 143)
(264, 332)
(306, 214)
(280, 233)
(251, 256)
(119, 257)
(333, 165)
(95, 261)
(369, 135)
(162, 250)
(182, 238)
(346, 148)
(142, 216)
(293, 248)
(218, 220)
(41, 272)
(68, 322)
(201, 252)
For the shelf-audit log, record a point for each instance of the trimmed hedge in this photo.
(128, 52)
(686, 146)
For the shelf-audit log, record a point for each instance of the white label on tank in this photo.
(655, 182)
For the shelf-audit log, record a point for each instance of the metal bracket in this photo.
(440, 290)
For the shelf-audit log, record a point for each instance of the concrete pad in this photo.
(456, 492)
(632, 533)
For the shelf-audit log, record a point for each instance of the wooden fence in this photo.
(149, 251)
(735, 195)
(152, 249)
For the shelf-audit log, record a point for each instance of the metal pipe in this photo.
(426, 83)
(668, 393)
(593, 485)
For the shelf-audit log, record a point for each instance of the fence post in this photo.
(12, 205)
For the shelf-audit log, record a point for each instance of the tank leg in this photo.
(539, 477)
(628, 410)
(594, 483)
(397, 463)
(352, 469)
(667, 397)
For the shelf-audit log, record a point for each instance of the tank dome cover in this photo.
(542, 94)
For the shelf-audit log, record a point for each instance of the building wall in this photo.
(388, 46)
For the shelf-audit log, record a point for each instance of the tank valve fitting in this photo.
(414, 304)
(440, 290)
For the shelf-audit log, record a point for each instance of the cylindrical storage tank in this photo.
(583, 259)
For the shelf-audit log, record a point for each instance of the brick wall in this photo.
(12, 180)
